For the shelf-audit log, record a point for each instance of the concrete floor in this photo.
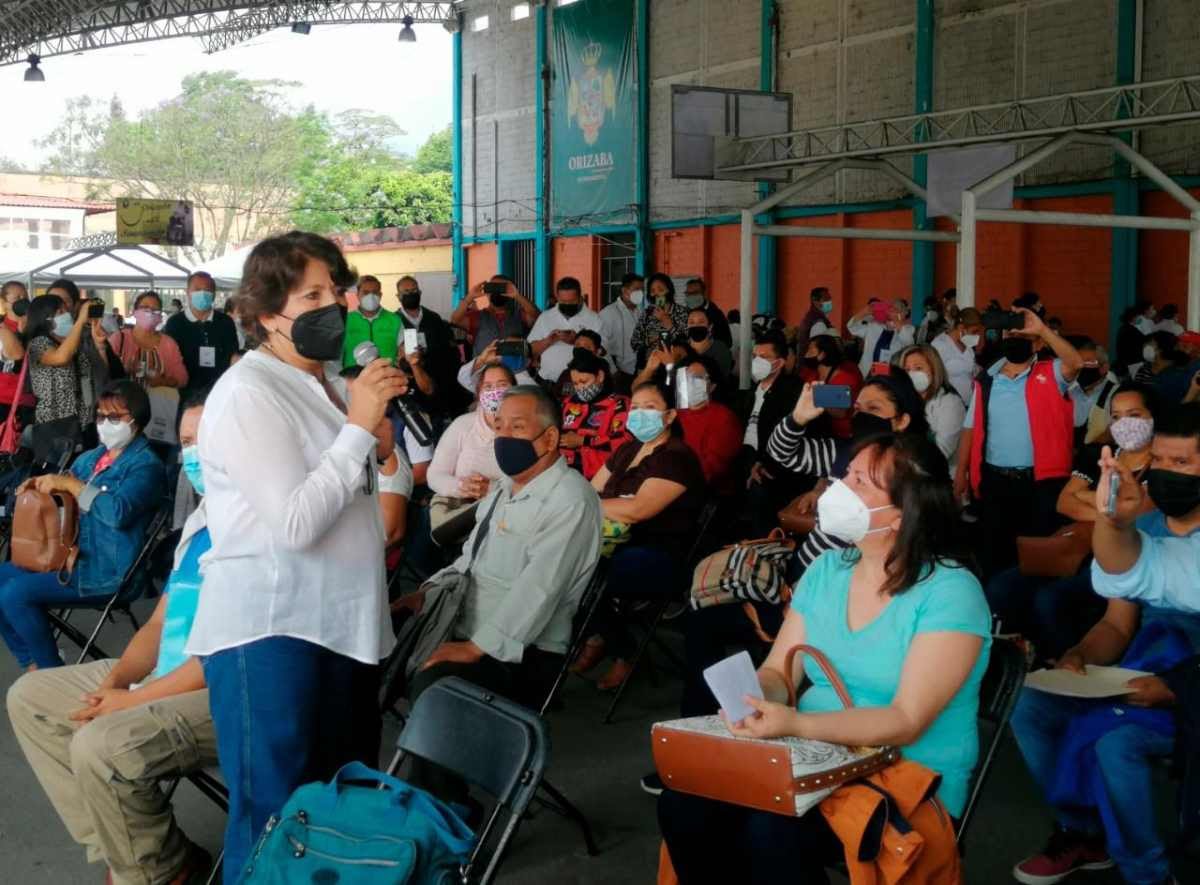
(596, 765)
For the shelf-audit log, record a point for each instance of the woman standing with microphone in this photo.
(293, 618)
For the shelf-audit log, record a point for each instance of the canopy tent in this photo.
(226, 271)
(94, 267)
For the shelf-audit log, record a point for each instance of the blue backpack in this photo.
(353, 833)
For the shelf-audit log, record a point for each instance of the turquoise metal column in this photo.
(644, 239)
(1126, 199)
(541, 248)
(767, 246)
(922, 260)
(457, 264)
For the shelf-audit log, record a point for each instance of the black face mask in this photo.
(569, 310)
(498, 300)
(1017, 350)
(1089, 376)
(514, 455)
(1175, 494)
(344, 311)
(20, 307)
(411, 300)
(698, 333)
(864, 424)
(811, 362)
(318, 334)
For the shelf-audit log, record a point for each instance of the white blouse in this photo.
(297, 538)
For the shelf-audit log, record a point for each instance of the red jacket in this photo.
(1051, 424)
(715, 434)
(601, 423)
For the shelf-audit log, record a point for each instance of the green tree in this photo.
(435, 154)
(74, 142)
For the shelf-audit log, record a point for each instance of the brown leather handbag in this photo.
(45, 532)
(786, 776)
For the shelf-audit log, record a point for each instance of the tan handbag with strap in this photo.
(45, 532)
(787, 776)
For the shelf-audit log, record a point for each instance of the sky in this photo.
(339, 67)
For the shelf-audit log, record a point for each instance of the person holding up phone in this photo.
(53, 341)
(884, 329)
(495, 309)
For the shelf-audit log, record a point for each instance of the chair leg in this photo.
(64, 614)
(561, 804)
(641, 650)
(214, 875)
(91, 640)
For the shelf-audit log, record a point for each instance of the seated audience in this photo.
(1160, 354)
(661, 319)
(1053, 613)
(464, 464)
(1168, 320)
(944, 409)
(655, 487)
(769, 486)
(588, 340)
(102, 737)
(710, 428)
(149, 357)
(823, 361)
(552, 337)
(959, 347)
(904, 622)
(884, 329)
(593, 416)
(518, 365)
(1093, 760)
(695, 297)
(663, 363)
(118, 485)
(493, 317)
(1092, 392)
(704, 342)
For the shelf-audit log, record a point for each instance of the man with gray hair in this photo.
(1091, 391)
(528, 560)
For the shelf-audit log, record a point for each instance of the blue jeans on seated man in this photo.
(24, 598)
(287, 712)
(1124, 756)
(1052, 613)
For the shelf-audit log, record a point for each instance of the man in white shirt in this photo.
(617, 322)
(1168, 320)
(884, 330)
(957, 347)
(552, 337)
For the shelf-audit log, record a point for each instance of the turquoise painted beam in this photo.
(768, 247)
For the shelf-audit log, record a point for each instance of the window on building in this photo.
(480, 23)
(520, 12)
(521, 264)
(617, 258)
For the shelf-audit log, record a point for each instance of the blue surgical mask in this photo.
(645, 424)
(63, 323)
(191, 466)
(202, 299)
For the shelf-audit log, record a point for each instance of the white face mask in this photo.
(370, 302)
(920, 380)
(635, 297)
(114, 436)
(1149, 353)
(970, 340)
(842, 514)
(760, 368)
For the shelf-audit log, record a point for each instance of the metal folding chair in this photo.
(492, 743)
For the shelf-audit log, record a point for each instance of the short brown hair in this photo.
(275, 267)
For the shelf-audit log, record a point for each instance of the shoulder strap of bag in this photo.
(826, 666)
(70, 536)
(482, 533)
(8, 437)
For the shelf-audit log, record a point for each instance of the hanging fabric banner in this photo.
(593, 113)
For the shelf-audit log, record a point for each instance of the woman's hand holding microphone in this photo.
(374, 389)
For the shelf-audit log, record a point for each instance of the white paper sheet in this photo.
(732, 679)
(1099, 682)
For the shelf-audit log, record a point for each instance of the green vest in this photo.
(384, 330)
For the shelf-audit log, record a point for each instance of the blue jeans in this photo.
(1124, 755)
(287, 712)
(24, 598)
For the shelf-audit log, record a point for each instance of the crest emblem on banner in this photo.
(593, 93)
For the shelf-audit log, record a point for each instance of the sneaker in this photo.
(652, 784)
(1065, 853)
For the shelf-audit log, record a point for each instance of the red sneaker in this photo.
(1065, 853)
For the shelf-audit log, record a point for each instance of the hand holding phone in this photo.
(411, 342)
(831, 396)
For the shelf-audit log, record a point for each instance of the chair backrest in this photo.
(998, 693)
(703, 523)
(137, 577)
(581, 627)
(492, 743)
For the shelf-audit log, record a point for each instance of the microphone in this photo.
(415, 419)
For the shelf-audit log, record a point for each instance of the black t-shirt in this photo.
(217, 332)
(670, 530)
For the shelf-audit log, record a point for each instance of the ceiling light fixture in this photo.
(407, 34)
(301, 27)
(34, 74)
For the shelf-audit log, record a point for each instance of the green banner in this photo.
(593, 113)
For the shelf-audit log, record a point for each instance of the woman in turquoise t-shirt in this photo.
(906, 625)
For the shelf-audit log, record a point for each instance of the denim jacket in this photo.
(114, 510)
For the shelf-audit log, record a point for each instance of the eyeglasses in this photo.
(111, 417)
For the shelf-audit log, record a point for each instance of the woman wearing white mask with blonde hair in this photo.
(944, 408)
(903, 620)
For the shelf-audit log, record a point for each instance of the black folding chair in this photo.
(998, 695)
(492, 743)
(658, 609)
(135, 584)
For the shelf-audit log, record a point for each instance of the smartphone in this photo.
(491, 288)
(831, 396)
(1114, 485)
(96, 310)
(411, 341)
(482, 302)
(510, 348)
(1003, 320)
